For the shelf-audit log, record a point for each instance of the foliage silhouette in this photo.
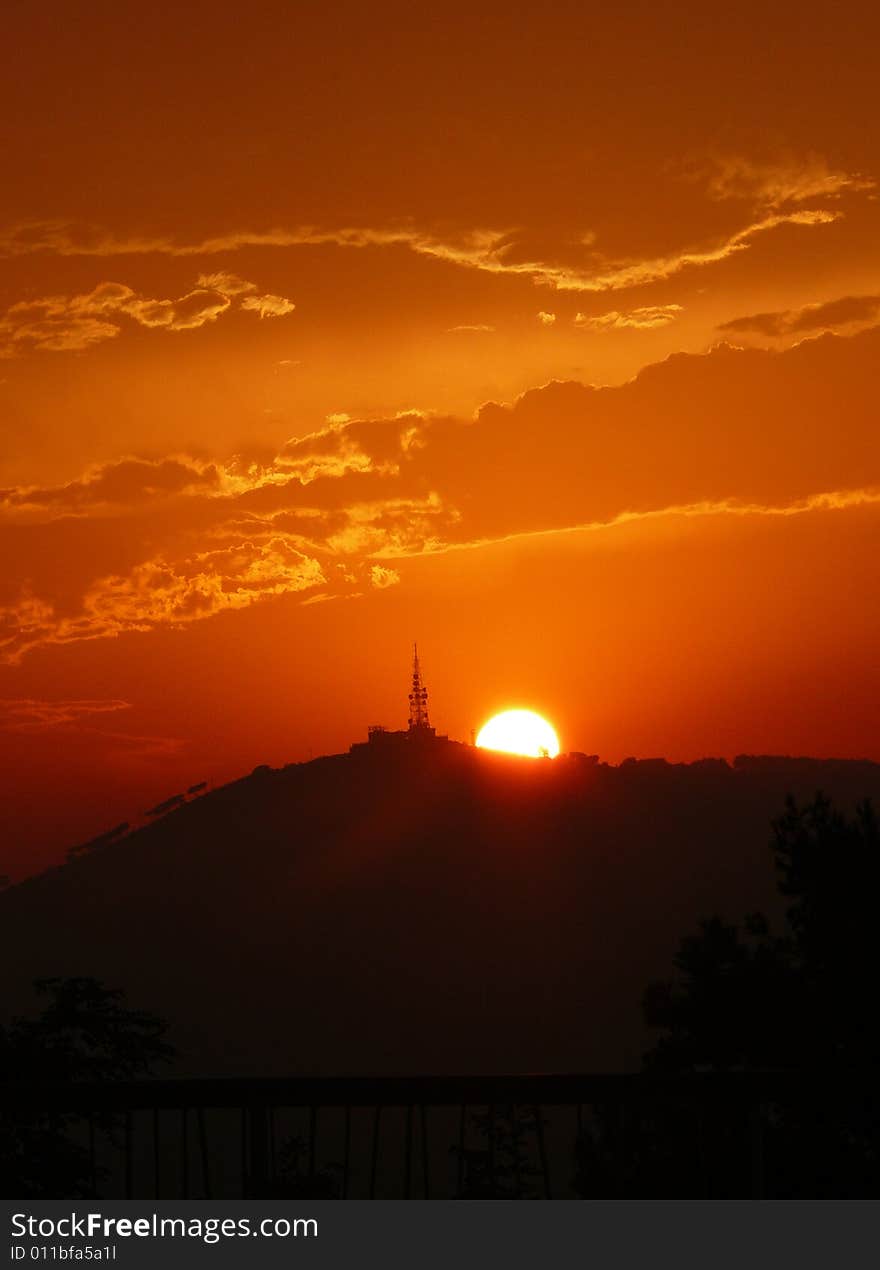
(506, 1167)
(84, 1033)
(801, 998)
(749, 998)
(294, 1180)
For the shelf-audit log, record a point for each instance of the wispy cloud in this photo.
(29, 714)
(164, 590)
(773, 183)
(634, 273)
(494, 251)
(641, 319)
(72, 323)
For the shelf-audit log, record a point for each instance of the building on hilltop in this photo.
(419, 731)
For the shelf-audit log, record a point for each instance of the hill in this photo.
(427, 909)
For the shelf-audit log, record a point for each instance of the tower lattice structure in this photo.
(418, 698)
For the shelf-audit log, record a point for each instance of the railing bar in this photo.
(259, 1149)
(462, 1120)
(375, 1151)
(756, 1141)
(407, 1172)
(561, 1089)
(93, 1160)
(514, 1133)
(346, 1159)
(185, 1155)
(542, 1150)
(129, 1161)
(707, 1114)
(203, 1147)
(426, 1181)
(491, 1145)
(620, 1148)
(245, 1172)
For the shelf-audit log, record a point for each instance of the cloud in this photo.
(226, 283)
(124, 482)
(27, 714)
(163, 591)
(775, 183)
(72, 323)
(504, 251)
(470, 327)
(84, 719)
(382, 578)
(740, 433)
(268, 305)
(636, 319)
(829, 315)
(633, 273)
(546, 319)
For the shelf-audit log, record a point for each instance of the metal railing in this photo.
(420, 1136)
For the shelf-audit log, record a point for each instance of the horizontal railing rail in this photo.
(550, 1089)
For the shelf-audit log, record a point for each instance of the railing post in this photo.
(129, 1157)
(313, 1138)
(93, 1161)
(203, 1149)
(423, 1117)
(407, 1167)
(514, 1137)
(374, 1162)
(184, 1123)
(156, 1163)
(346, 1159)
(258, 1172)
(462, 1121)
(542, 1149)
(491, 1144)
(756, 1149)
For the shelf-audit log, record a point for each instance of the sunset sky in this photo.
(547, 335)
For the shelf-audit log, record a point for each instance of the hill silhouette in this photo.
(425, 909)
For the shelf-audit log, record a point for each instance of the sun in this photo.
(519, 732)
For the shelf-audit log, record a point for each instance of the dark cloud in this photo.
(125, 482)
(830, 315)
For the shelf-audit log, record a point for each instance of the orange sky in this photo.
(549, 338)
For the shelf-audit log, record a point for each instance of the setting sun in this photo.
(519, 732)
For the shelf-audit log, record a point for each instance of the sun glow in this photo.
(519, 732)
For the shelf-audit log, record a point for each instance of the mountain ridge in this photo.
(428, 910)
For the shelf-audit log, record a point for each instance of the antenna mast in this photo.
(418, 697)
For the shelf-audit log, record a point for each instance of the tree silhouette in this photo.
(84, 1033)
(746, 997)
(749, 997)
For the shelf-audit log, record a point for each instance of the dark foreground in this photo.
(710, 1136)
